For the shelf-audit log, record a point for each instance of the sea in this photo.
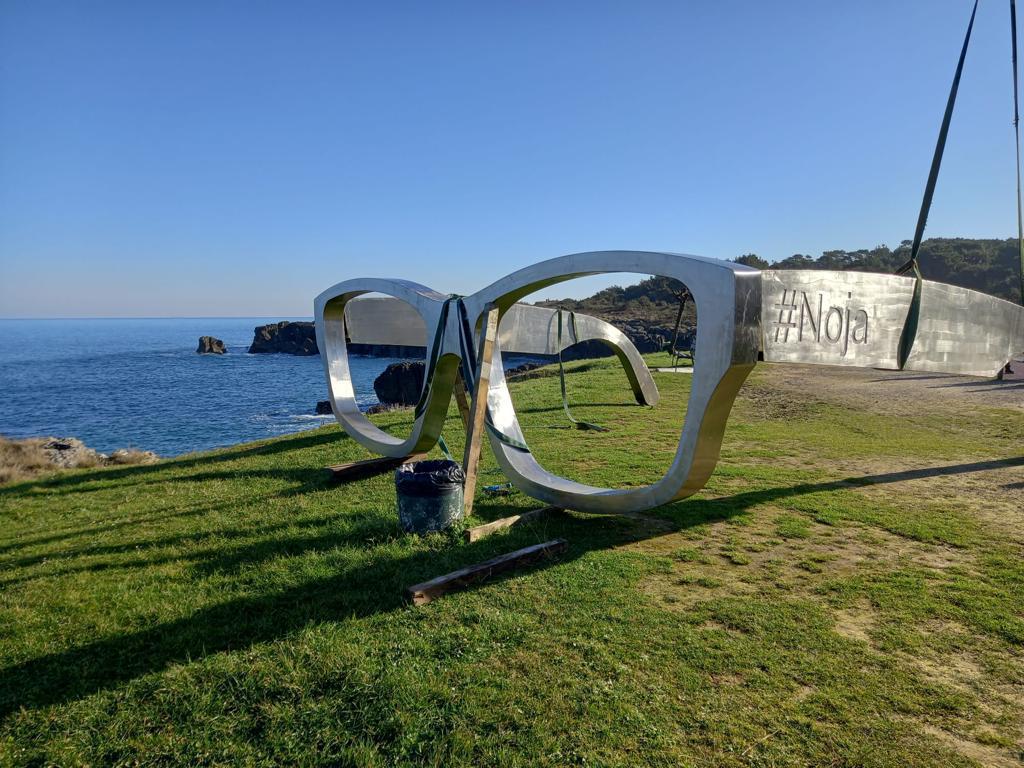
(138, 383)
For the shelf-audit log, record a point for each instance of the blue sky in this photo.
(235, 158)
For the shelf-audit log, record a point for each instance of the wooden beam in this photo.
(357, 470)
(478, 407)
(421, 594)
(480, 531)
(462, 400)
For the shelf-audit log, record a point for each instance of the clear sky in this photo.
(236, 158)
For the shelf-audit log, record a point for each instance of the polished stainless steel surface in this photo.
(524, 330)
(965, 332)
(329, 312)
(800, 316)
(727, 297)
(383, 320)
(856, 318)
(833, 318)
(535, 331)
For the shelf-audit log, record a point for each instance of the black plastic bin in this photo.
(429, 495)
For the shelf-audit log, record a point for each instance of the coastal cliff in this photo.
(299, 338)
(291, 338)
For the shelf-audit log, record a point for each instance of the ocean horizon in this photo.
(139, 383)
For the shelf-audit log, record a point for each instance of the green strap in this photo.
(675, 353)
(444, 448)
(1016, 135)
(561, 376)
(940, 146)
(468, 355)
(435, 353)
(914, 313)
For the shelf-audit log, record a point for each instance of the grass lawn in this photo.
(848, 590)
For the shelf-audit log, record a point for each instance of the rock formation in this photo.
(209, 345)
(648, 337)
(70, 452)
(400, 383)
(298, 338)
(523, 369)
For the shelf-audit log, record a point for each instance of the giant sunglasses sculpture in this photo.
(783, 316)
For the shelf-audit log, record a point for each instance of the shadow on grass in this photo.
(919, 377)
(355, 591)
(577, 404)
(686, 512)
(224, 537)
(69, 482)
(984, 385)
(74, 533)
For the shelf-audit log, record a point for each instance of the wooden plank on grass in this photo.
(357, 470)
(477, 533)
(421, 594)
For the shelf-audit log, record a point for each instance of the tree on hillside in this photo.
(752, 260)
(990, 266)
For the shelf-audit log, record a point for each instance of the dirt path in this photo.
(894, 392)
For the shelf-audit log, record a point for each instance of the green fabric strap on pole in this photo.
(675, 353)
(675, 332)
(561, 376)
(679, 320)
(1016, 135)
(913, 314)
(468, 355)
(468, 365)
(444, 449)
(435, 353)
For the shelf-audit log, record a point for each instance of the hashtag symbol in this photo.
(786, 310)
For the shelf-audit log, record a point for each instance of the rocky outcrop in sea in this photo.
(291, 338)
(209, 345)
(299, 338)
(400, 383)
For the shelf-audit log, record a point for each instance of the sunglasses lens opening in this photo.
(625, 343)
(387, 344)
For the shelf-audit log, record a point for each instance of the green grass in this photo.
(811, 606)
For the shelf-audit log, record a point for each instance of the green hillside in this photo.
(991, 266)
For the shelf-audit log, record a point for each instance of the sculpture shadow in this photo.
(983, 385)
(897, 377)
(683, 512)
(70, 482)
(356, 591)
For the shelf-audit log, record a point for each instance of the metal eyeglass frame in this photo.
(744, 315)
(727, 297)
